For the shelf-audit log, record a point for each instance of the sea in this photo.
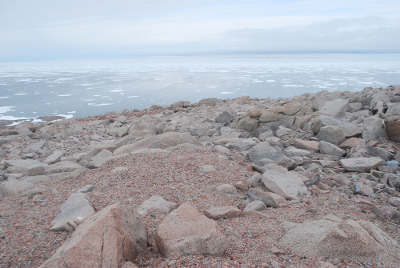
(29, 90)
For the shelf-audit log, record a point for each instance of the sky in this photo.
(83, 29)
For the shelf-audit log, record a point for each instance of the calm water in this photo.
(83, 88)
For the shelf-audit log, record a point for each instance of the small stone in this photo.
(226, 188)
(222, 212)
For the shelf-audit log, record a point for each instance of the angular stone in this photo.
(65, 166)
(208, 102)
(354, 240)
(382, 153)
(393, 127)
(257, 205)
(335, 108)
(363, 189)
(226, 117)
(73, 212)
(186, 232)
(331, 149)
(332, 134)
(351, 143)
(156, 203)
(262, 152)
(161, 141)
(222, 212)
(13, 187)
(54, 157)
(248, 124)
(282, 131)
(293, 151)
(306, 145)
(374, 128)
(108, 239)
(226, 188)
(361, 164)
(269, 199)
(99, 159)
(289, 185)
(207, 169)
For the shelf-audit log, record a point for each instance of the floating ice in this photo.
(213, 86)
(88, 100)
(72, 112)
(64, 95)
(116, 90)
(133, 97)
(227, 92)
(4, 97)
(99, 104)
(20, 94)
(5, 109)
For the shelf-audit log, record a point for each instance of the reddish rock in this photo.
(307, 145)
(350, 143)
(109, 238)
(393, 127)
(186, 232)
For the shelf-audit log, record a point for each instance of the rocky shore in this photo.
(307, 181)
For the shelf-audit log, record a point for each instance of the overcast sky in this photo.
(73, 29)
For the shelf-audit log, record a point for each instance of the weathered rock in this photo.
(161, 141)
(336, 108)
(289, 185)
(329, 148)
(54, 157)
(349, 129)
(363, 189)
(332, 134)
(355, 240)
(226, 188)
(269, 199)
(393, 127)
(362, 164)
(208, 102)
(293, 151)
(137, 131)
(350, 143)
(247, 123)
(241, 185)
(282, 131)
(99, 159)
(64, 166)
(373, 128)
(382, 153)
(222, 212)
(107, 239)
(257, 205)
(254, 181)
(186, 232)
(73, 212)
(156, 203)
(226, 117)
(306, 145)
(14, 187)
(263, 153)
(23, 165)
(207, 169)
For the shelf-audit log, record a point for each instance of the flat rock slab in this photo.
(73, 212)
(54, 157)
(289, 184)
(306, 145)
(222, 212)
(355, 240)
(64, 166)
(269, 199)
(257, 205)
(186, 232)
(14, 187)
(361, 164)
(156, 203)
(107, 239)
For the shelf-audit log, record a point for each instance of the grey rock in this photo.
(73, 212)
(373, 128)
(361, 164)
(382, 153)
(222, 212)
(269, 199)
(254, 181)
(226, 117)
(14, 187)
(99, 159)
(65, 166)
(336, 108)
(332, 134)
(255, 206)
(363, 189)
(54, 157)
(156, 203)
(289, 185)
(293, 151)
(331, 149)
(262, 152)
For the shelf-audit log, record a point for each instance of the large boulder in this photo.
(14, 187)
(73, 212)
(333, 238)
(54, 157)
(331, 149)
(186, 232)
(226, 117)
(335, 108)
(289, 185)
(63, 166)
(161, 141)
(268, 198)
(349, 129)
(137, 131)
(156, 203)
(108, 239)
(332, 134)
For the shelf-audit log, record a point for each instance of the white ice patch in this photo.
(293, 85)
(226, 92)
(72, 112)
(116, 90)
(133, 97)
(88, 100)
(20, 94)
(270, 81)
(5, 109)
(212, 86)
(257, 81)
(4, 97)
(99, 104)
(64, 95)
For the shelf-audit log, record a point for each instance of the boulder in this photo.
(23, 165)
(137, 131)
(156, 203)
(226, 117)
(293, 151)
(14, 187)
(351, 143)
(332, 134)
(54, 157)
(186, 232)
(289, 185)
(349, 129)
(64, 166)
(247, 123)
(306, 145)
(208, 102)
(361, 164)
(108, 239)
(335, 108)
(269, 199)
(355, 240)
(99, 159)
(331, 149)
(257, 205)
(161, 141)
(264, 153)
(393, 127)
(222, 212)
(373, 128)
(73, 212)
